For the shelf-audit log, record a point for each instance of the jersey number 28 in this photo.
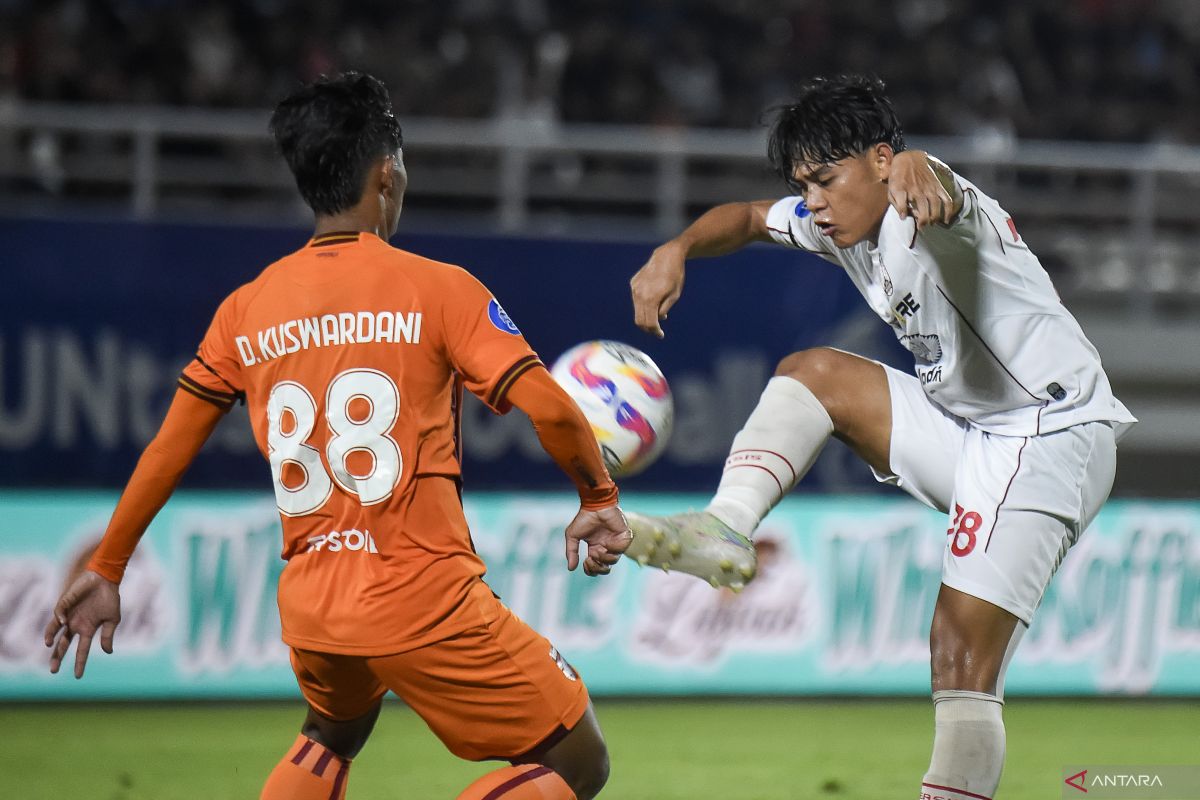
(361, 406)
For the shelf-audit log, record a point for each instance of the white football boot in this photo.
(696, 543)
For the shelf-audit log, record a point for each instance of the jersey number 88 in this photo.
(361, 406)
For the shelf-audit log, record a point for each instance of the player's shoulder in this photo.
(973, 198)
(791, 206)
(896, 232)
(790, 222)
(423, 268)
(786, 212)
(241, 297)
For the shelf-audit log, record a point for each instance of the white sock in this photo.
(780, 441)
(968, 746)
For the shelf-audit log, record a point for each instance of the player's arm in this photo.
(923, 186)
(566, 435)
(724, 229)
(92, 602)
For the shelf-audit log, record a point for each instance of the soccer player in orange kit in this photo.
(351, 356)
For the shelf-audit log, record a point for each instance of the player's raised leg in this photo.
(814, 394)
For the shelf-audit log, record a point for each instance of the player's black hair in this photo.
(330, 132)
(831, 119)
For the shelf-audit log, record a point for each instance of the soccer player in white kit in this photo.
(1009, 424)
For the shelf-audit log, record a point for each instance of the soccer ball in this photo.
(624, 396)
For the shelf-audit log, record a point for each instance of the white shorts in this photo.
(1016, 504)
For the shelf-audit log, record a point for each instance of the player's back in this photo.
(352, 356)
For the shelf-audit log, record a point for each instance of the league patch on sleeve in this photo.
(802, 210)
(500, 319)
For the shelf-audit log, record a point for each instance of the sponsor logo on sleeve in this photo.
(500, 318)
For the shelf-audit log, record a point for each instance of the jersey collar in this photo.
(340, 237)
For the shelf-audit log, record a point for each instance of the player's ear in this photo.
(881, 155)
(385, 171)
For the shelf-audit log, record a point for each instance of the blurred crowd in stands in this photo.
(1099, 70)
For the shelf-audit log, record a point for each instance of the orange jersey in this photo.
(352, 356)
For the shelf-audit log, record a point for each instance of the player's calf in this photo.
(309, 771)
(968, 746)
(318, 765)
(971, 642)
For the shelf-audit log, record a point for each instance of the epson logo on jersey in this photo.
(336, 541)
(500, 318)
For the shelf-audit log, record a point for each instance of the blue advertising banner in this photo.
(97, 318)
(842, 603)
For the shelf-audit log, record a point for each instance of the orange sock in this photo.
(309, 771)
(524, 782)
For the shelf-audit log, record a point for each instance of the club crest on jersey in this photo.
(926, 347)
(500, 318)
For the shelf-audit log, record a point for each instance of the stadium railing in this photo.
(1116, 225)
(1109, 220)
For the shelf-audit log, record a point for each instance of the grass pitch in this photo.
(661, 750)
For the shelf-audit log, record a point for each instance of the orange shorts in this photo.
(496, 691)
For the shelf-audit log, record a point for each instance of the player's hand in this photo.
(914, 188)
(656, 287)
(91, 603)
(607, 535)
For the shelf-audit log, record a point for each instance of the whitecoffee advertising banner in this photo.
(841, 605)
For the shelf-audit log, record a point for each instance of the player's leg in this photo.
(344, 701)
(500, 691)
(815, 394)
(577, 763)
(344, 737)
(1019, 505)
(970, 642)
(581, 757)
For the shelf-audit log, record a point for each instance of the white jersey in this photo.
(992, 341)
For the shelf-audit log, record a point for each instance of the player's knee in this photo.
(818, 364)
(344, 738)
(819, 369)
